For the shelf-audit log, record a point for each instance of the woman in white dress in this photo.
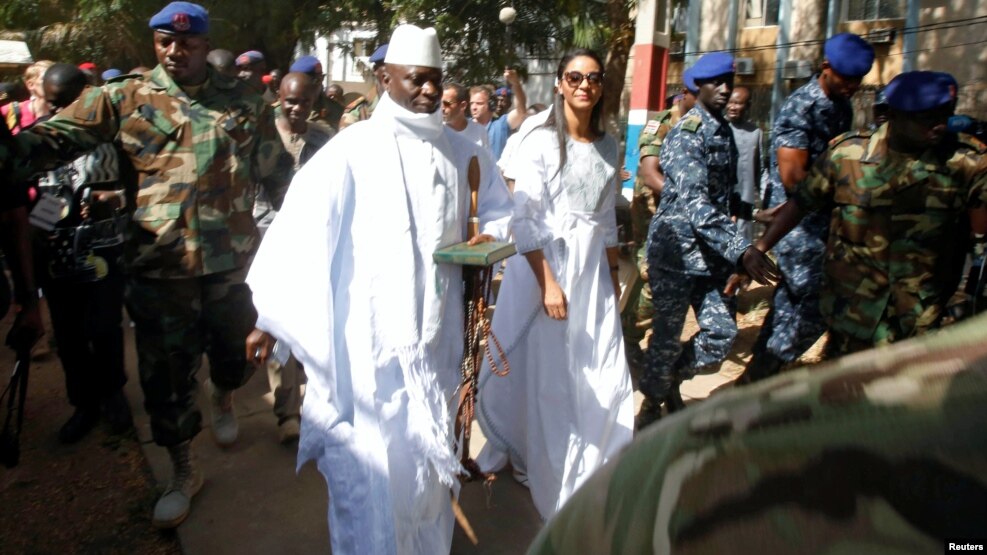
(566, 405)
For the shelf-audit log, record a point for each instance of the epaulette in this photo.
(691, 123)
(972, 142)
(355, 103)
(855, 134)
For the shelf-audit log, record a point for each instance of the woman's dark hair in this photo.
(556, 120)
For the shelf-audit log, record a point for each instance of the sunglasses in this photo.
(448, 104)
(575, 78)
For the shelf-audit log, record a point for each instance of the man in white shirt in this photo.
(455, 102)
(346, 278)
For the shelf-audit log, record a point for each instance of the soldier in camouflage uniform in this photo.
(636, 317)
(881, 452)
(895, 198)
(361, 107)
(197, 142)
(693, 246)
(810, 117)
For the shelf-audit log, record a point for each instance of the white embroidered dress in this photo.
(566, 406)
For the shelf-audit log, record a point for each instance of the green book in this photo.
(483, 254)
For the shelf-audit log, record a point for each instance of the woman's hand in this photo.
(554, 301)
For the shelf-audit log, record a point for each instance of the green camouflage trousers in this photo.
(177, 320)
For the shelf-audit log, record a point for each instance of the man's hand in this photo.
(512, 78)
(767, 215)
(481, 238)
(554, 301)
(27, 329)
(260, 344)
(759, 267)
(736, 283)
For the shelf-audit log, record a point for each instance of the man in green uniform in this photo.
(198, 142)
(636, 318)
(880, 452)
(898, 196)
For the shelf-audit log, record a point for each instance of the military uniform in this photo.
(357, 110)
(192, 234)
(882, 452)
(895, 222)
(637, 313)
(808, 120)
(693, 247)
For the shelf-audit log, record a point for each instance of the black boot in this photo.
(79, 424)
(763, 365)
(674, 400)
(649, 414)
(117, 412)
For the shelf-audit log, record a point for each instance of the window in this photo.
(361, 47)
(762, 13)
(863, 10)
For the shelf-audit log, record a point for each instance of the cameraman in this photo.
(77, 262)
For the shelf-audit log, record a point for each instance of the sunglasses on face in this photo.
(575, 78)
(449, 104)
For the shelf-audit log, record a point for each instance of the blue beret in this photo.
(849, 55)
(503, 91)
(712, 65)
(918, 91)
(181, 17)
(689, 81)
(249, 57)
(306, 64)
(378, 55)
(111, 73)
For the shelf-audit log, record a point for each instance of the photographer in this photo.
(77, 263)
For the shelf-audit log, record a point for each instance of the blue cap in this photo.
(689, 81)
(111, 73)
(378, 56)
(307, 64)
(181, 18)
(711, 65)
(249, 57)
(918, 91)
(503, 91)
(849, 55)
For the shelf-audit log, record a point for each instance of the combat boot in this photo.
(649, 414)
(173, 506)
(762, 365)
(225, 428)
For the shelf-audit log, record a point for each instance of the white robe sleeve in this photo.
(531, 202)
(609, 212)
(495, 206)
(290, 275)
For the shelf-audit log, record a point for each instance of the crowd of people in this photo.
(247, 214)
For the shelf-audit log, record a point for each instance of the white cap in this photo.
(414, 46)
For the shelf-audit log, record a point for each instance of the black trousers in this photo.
(87, 319)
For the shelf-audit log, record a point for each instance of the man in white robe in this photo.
(376, 323)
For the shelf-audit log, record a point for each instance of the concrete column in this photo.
(832, 17)
(732, 18)
(910, 40)
(784, 25)
(648, 87)
(694, 33)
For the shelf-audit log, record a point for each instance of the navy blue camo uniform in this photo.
(808, 120)
(693, 246)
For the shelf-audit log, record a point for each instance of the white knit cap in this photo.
(414, 46)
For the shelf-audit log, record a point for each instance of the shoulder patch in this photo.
(651, 127)
(691, 124)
